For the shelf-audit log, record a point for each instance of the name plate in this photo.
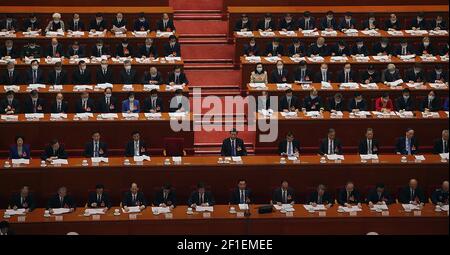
(417, 213)
(21, 218)
(289, 214)
(132, 216)
(206, 215)
(385, 213)
(58, 218)
(168, 215)
(240, 214)
(353, 213)
(96, 217)
(322, 213)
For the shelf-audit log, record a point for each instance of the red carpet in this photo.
(207, 51)
(203, 27)
(196, 4)
(214, 78)
(217, 137)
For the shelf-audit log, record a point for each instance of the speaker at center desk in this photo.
(265, 209)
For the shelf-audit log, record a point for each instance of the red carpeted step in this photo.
(196, 4)
(214, 77)
(216, 137)
(201, 27)
(207, 51)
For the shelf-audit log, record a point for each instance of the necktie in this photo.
(107, 101)
(346, 77)
(348, 23)
(104, 70)
(57, 78)
(307, 24)
(289, 103)
(177, 79)
(284, 197)
(289, 150)
(329, 23)
(100, 51)
(136, 148)
(369, 147)
(75, 26)
(438, 76)
(242, 197)
(412, 194)
(10, 75)
(85, 104)
(202, 200)
(266, 25)
(302, 75)
(34, 106)
(280, 73)
(99, 198)
(403, 50)
(134, 198)
(54, 50)
(59, 107)
(233, 148)
(153, 103)
(34, 76)
(429, 103)
(408, 146)
(8, 25)
(165, 25)
(332, 146)
(324, 76)
(61, 201)
(128, 72)
(81, 72)
(444, 144)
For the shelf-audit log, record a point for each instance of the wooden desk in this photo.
(37, 3)
(247, 66)
(263, 174)
(75, 133)
(71, 96)
(387, 130)
(369, 41)
(221, 221)
(70, 66)
(256, 10)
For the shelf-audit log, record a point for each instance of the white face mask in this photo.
(347, 70)
(9, 47)
(59, 101)
(324, 69)
(56, 21)
(419, 19)
(280, 67)
(142, 19)
(34, 67)
(131, 99)
(58, 71)
(438, 71)
(406, 97)
(128, 68)
(430, 97)
(104, 66)
(313, 96)
(179, 98)
(32, 46)
(358, 100)
(259, 69)
(99, 46)
(124, 45)
(426, 44)
(370, 72)
(391, 71)
(10, 69)
(108, 95)
(83, 68)
(359, 45)
(76, 20)
(252, 44)
(337, 101)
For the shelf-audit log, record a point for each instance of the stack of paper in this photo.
(329, 33)
(395, 83)
(173, 59)
(338, 59)
(267, 34)
(438, 32)
(58, 116)
(245, 33)
(204, 209)
(362, 59)
(410, 207)
(36, 86)
(139, 33)
(382, 207)
(163, 34)
(310, 33)
(410, 57)
(96, 33)
(326, 85)
(174, 87)
(369, 86)
(306, 85)
(94, 211)
(28, 60)
(430, 114)
(369, 156)
(416, 32)
(76, 33)
(438, 85)
(59, 211)
(130, 115)
(56, 87)
(288, 114)
(152, 115)
(444, 208)
(337, 114)
(99, 159)
(30, 33)
(52, 60)
(272, 59)
(160, 210)
(76, 60)
(34, 115)
(315, 208)
(382, 58)
(419, 157)
(349, 85)
(351, 209)
(20, 161)
(258, 85)
(243, 207)
(120, 59)
(10, 117)
(313, 114)
(12, 212)
(405, 114)
(297, 60)
(237, 159)
(177, 159)
(286, 207)
(335, 157)
(54, 33)
(371, 32)
(127, 87)
(284, 86)
(428, 58)
(141, 158)
(107, 116)
(104, 85)
(60, 162)
(146, 60)
(395, 33)
(177, 114)
(316, 59)
(149, 87)
(84, 115)
(119, 34)
(132, 209)
(82, 87)
(253, 59)
(14, 88)
(288, 33)
(351, 31)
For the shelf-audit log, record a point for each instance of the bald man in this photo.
(134, 197)
(25, 200)
(441, 145)
(440, 196)
(412, 194)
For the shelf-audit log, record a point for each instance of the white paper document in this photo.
(84, 115)
(152, 115)
(369, 156)
(160, 210)
(107, 116)
(104, 85)
(283, 86)
(149, 87)
(410, 207)
(395, 83)
(315, 208)
(82, 87)
(243, 207)
(444, 155)
(34, 115)
(132, 209)
(12, 212)
(236, 158)
(351, 209)
(141, 158)
(286, 207)
(272, 59)
(257, 85)
(204, 208)
(335, 157)
(177, 114)
(19, 161)
(59, 211)
(245, 33)
(382, 207)
(419, 157)
(94, 211)
(60, 161)
(288, 114)
(58, 115)
(349, 85)
(36, 86)
(326, 85)
(14, 88)
(369, 86)
(99, 159)
(130, 115)
(10, 117)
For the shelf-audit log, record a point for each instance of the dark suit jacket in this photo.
(141, 26)
(412, 76)
(275, 52)
(128, 199)
(54, 107)
(48, 152)
(120, 51)
(104, 78)
(298, 73)
(71, 25)
(282, 146)
(388, 77)
(13, 53)
(13, 152)
(324, 146)
(401, 104)
(291, 26)
(435, 105)
(423, 24)
(13, 80)
(430, 49)
(344, 25)
(432, 76)
(235, 198)
(27, 24)
(126, 78)
(362, 106)
(15, 105)
(148, 52)
(147, 78)
(302, 23)
(324, 24)
(28, 203)
(81, 79)
(251, 50)
(13, 24)
(119, 24)
(170, 50)
(194, 198)
(375, 77)
(443, 25)
(373, 197)
(160, 25)
(313, 104)
(239, 25)
(439, 196)
(376, 49)
(104, 200)
(96, 53)
(29, 105)
(261, 24)
(354, 198)
(293, 51)
(59, 51)
(227, 151)
(332, 105)
(276, 78)
(62, 78)
(89, 149)
(362, 149)
(129, 148)
(318, 76)
(341, 52)
(439, 148)
(409, 50)
(365, 24)
(181, 79)
(326, 198)
(321, 51)
(283, 104)
(360, 51)
(40, 76)
(388, 24)
(54, 202)
(80, 52)
(98, 27)
(277, 196)
(148, 105)
(400, 147)
(102, 107)
(404, 196)
(170, 200)
(79, 107)
(341, 76)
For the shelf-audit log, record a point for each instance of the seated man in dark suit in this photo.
(11, 75)
(119, 24)
(58, 76)
(283, 195)
(313, 102)
(407, 145)
(412, 194)
(107, 103)
(329, 22)
(382, 48)
(349, 196)
(9, 24)
(98, 24)
(55, 49)
(59, 105)
(201, 197)
(99, 49)
(75, 24)
(241, 194)
(81, 75)
(32, 24)
(76, 51)
(347, 74)
(426, 47)
(379, 196)
(99, 198)
(415, 74)
(302, 74)
(165, 24)
(179, 102)
(307, 22)
(153, 76)
(61, 200)
(357, 103)
(233, 146)
(359, 49)
(438, 75)
(177, 77)
(54, 151)
(136, 147)
(330, 145)
(148, 50)
(85, 103)
(348, 22)
(323, 74)
(341, 49)
(127, 75)
(280, 74)
(368, 145)
(32, 50)
(165, 197)
(336, 103)
(153, 103)
(370, 75)
(405, 102)
(266, 24)
(251, 49)
(172, 48)
(104, 74)
(96, 148)
(431, 103)
(404, 48)
(319, 48)
(392, 23)
(370, 23)
(296, 49)
(290, 146)
(391, 74)
(244, 24)
(438, 23)
(9, 50)
(35, 74)
(134, 197)
(440, 196)
(22, 200)
(34, 103)
(9, 105)
(141, 24)
(288, 23)
(289, 102)
(274, 48)
(420, 23)
(321, 197)
(441, 145)
(124, 49)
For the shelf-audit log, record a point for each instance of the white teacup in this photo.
(46, 213)
(232, 209)
(438, 208)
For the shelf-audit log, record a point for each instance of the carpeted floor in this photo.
(196, 4)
